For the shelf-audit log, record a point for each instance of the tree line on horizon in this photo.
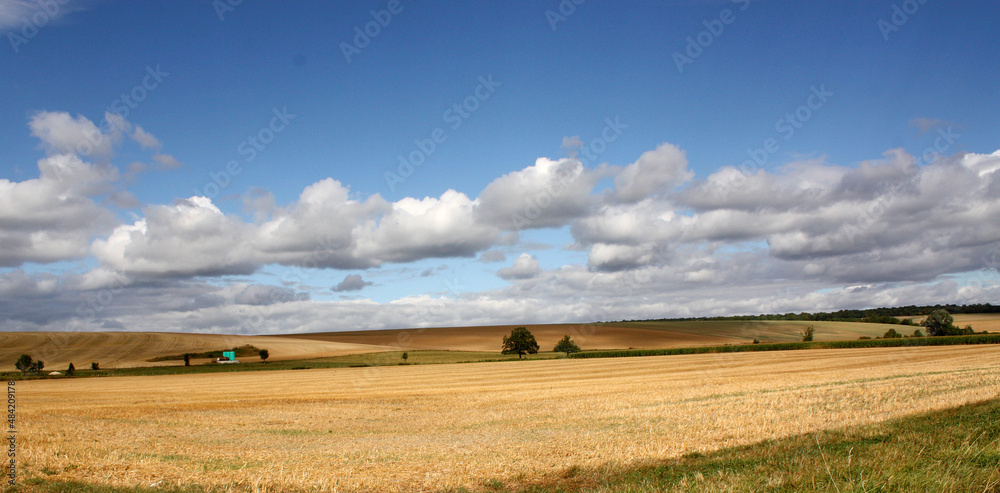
(885, 315)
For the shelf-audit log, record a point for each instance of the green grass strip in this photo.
(789, 346)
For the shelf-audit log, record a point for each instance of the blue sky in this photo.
(559, 73)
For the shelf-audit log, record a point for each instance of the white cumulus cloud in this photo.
(524, 267)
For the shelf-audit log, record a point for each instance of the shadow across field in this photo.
(955, 450)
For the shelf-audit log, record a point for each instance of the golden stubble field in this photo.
(414, 428)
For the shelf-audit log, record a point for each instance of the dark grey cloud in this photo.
(492, 256)
(353, 282)
(261, 294)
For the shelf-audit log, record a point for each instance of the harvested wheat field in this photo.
(131, 349)
(979, 321)
(489, 338)
(410, 428)
(616, 335)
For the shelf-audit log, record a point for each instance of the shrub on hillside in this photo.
(27, 364)
(808, 333)
(24, 363)
(566, 345)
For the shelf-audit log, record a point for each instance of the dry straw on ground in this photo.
(416, 428)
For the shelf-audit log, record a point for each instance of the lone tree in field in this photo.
(95, 366)
(808, 333)
(405, 356)
(187, 359)
(940, 323)
(263, 354)
(891, 334)
(519, 342)
(25, 363)
(566, 345)
(71, 370)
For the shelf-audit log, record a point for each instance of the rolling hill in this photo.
(131, 349)
(613, 335)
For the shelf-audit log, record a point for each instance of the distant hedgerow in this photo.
(788, 346)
